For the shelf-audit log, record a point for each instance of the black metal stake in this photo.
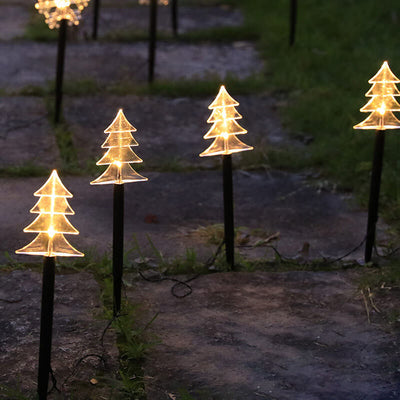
(95, 18)
(228, 209)
(152, 39)
(118, 245)
(62, 37)
(174, 15)
(46, 326)
(373, 203)
(293, 21)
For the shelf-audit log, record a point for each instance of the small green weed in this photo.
(37, 29)
(67, 149)
(7, 393)
(25, 170)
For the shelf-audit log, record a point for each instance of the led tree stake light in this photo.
(224, 131)
(381, 106)
(51, 225)
(59, 14)
(95, 18)
(118, 157)
(153, 28)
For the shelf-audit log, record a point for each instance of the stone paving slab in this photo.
(117, 19)
(76, 331)
(178, 203)
(168, 130)
(275, 336)
(25, 133)
(13, 20)
(28, 63)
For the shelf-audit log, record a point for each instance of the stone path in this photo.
(122, 62)
(179, 203)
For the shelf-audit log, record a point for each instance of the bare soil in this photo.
(296, 335)
(77, 331)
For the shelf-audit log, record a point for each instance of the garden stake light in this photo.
(153, 29)
(95, 18)
(382, 105)
(51, 225)
(293, 22)
(59, 14)
(152, 39)
(224, 131)
(118, 157)
(174, 15)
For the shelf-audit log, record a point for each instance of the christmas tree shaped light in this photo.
(224, 128)
(224, 131)
(119, 154)
(147, 2)
(118, 157)
(382, 103)
(57, 10)
(51, 224)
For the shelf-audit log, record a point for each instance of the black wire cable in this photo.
(290, 260)
(180, 283)
(385, 255)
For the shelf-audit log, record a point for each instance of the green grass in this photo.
(217, 34)
(25, 170)
(38, 30)
(339, 46)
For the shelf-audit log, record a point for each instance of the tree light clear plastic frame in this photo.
(147, 2)
(383, 102)
(119, 154)
(51, 224)
(56, 10)
(224, 128)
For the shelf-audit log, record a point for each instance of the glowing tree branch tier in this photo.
(382, 105)
(118, 157)
(224, 131)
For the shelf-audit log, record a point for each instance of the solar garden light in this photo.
(153, 28)
(174, 11)
(59, 14)
(51, 224)
(96, 8)
(118, 157)
(224, 131)
(381, 106)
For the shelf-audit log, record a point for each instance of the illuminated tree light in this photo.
(56, 10)
(224, 128)
(147, 2)
(51, 224)
(119, 154)
(382, 103)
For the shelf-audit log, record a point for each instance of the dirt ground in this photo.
(77, 333)
(276, 336)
